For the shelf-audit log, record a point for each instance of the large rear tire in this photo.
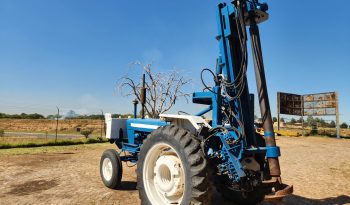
(172, 169)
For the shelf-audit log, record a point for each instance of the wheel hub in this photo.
(107, 169)
(168, 176)
(163, 175)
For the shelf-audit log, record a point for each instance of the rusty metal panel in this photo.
(320, 104)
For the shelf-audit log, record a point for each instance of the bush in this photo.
(22, 116)
(86, 132)
(344, 125)
(314, 130)
(2, 133)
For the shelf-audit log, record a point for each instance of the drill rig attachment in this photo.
(241, 153)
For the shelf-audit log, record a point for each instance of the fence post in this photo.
(337, 115)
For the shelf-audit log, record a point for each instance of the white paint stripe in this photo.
(144, 126)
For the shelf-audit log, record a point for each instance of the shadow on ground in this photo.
(289, 200)
(293, 200)
(296, 200)
(127, 186)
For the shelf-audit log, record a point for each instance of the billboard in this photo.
(320, 104)
(290, 104)
(307, 105)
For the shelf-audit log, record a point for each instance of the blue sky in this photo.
(71, 53)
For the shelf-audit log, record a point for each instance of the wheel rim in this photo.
(163, 175)
(107, 169)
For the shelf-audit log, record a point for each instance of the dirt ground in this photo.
(319, 169)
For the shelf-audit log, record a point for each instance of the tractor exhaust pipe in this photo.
(143, 96)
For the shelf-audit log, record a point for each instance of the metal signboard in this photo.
(308, 105)
(320, 104)
(290, 104)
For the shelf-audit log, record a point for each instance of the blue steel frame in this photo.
(227, 68)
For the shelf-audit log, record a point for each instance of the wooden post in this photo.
(337, 115)
(58, 115)
(302, 115)
(278, 111)
(302, 125)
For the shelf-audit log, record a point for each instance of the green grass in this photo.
(8, 143)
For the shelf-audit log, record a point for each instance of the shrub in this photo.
(86, 132)
(314, 130)
(344, 125)
(2, 133)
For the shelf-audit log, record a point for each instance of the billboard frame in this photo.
(336, 100)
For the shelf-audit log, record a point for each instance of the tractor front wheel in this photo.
(172, 169)
(111, 168)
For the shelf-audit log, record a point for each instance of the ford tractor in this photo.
(186, 159)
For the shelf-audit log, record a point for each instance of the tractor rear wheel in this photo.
(172, 169)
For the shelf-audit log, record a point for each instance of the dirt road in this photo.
(319, 169)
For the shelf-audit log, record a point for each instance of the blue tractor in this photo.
(184, 159)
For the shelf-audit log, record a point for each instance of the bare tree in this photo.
(162, 89)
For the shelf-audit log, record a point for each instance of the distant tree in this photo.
(53, 117)
(282, 119)
(332, 124)
(344, 125)
(274, 119)
(300, 120)
(293, 121)
(93, 116)
(35, 116)
(122, 115)
(310, 120)
(86, 132)
(22, 116)
(321, 122)
(50, 117)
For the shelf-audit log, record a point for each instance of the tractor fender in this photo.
(191, 123)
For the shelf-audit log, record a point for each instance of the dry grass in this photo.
(45, 125)
(21, 140)
(324, 132)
